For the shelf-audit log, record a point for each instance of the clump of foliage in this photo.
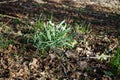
(82, 28)
(115, 61)
(50, 36)
(4, 42)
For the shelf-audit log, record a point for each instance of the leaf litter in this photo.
(20, 61)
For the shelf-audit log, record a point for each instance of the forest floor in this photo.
(86, 61)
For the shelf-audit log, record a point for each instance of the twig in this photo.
(6, 23)
(64, 69)
(2, 15)
(8, 1)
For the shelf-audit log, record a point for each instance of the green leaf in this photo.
(60, 25)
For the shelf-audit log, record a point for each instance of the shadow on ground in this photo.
(63, 11)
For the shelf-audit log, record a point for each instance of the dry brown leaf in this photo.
(83, 65)
(70, 54)
(34, 64)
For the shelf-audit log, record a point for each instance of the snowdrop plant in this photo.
(50, 36)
